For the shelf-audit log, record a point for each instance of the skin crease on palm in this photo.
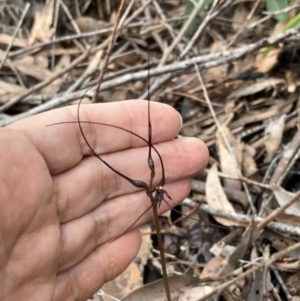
(60, 207)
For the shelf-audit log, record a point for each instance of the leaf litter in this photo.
(249, 119)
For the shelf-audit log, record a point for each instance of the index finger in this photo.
(63, 146)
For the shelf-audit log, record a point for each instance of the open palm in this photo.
(60, 207)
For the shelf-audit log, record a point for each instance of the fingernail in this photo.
(181, 121)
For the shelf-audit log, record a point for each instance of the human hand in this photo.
(60, 207)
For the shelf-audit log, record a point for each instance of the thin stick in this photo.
(73, 23)
(128, 9)
(44, 83)
(182, 32)
(274, 258)
(277, 211)
(161, 248)
(209, 17)
(244, 220)
(55, 21)
(244, 179)
(137, 12)
(109, 49)
(88, 34)
(176, 69)
(212, 111)
(15, 33)
(246, 22)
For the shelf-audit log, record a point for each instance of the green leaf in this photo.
(274, 5)
(291, 24)
(189, 7)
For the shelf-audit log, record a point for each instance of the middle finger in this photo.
(84, 187)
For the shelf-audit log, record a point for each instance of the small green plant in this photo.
(294, 22)
(189, 7)
(275, 5)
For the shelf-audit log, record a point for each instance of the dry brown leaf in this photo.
(292, 284)
(213, 267)
(195, 293)
(6, 39)
(128, 58)
(8, 90)
(61, 51)
(273, 134)
(266, 63)
(279, 108)
(291, 266)
(229, 109)
(216, 197)
(155, 291)
(228, 163)
(248, 237)
(280, 243)
(86, 24)
(55, 86)
(234, 291)
(117, 94)
(2, 56)
(289, 219)
(41, 30)
(34, 66)
(249, 167)
(93, 64)
(130, 280)
(282, 196)
(146, 245)
(223, 89)
(291, 81)
(261, 276)
(217, 73)
(239, 16)
(258, 86)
